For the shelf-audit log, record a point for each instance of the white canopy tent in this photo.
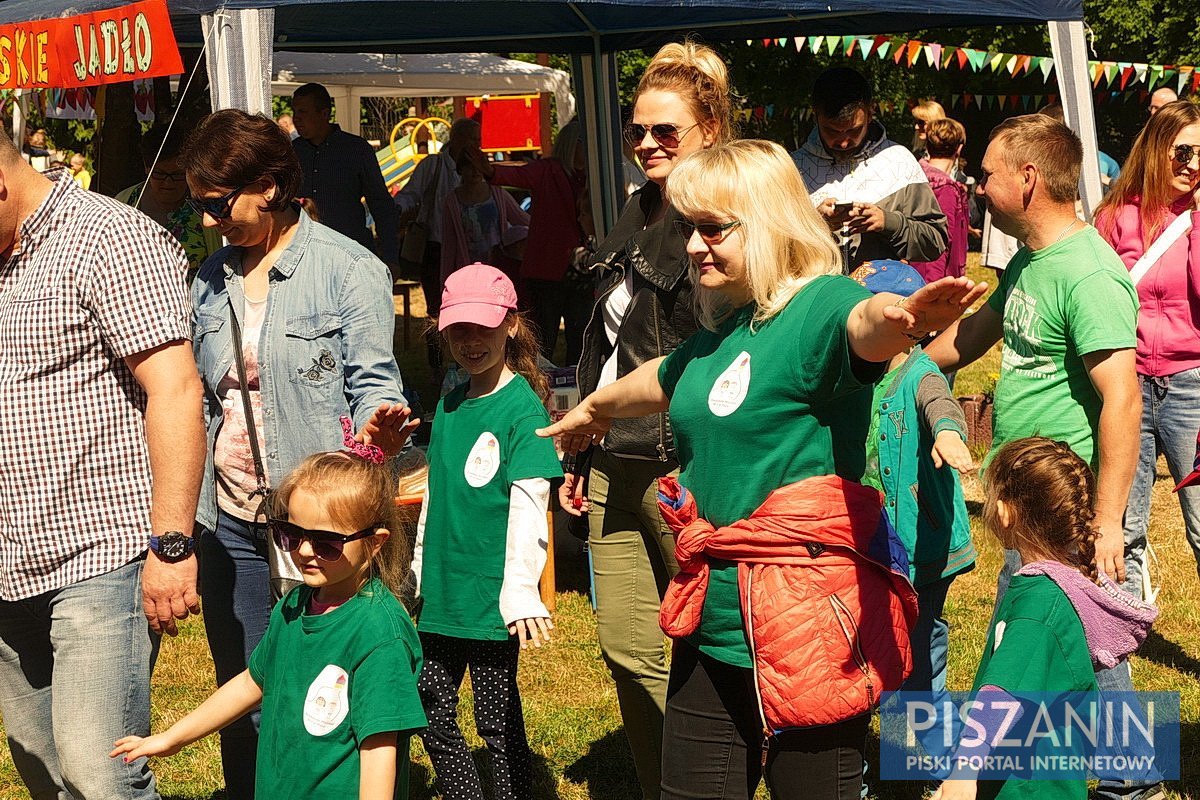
(351, 76)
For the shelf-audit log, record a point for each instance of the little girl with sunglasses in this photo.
(482, 536)
(336, 672)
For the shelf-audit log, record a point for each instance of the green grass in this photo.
(570, 705)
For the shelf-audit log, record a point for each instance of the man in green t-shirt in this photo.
(1067, 313)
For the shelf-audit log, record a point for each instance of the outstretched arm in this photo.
(636, 395)
(228, 703)
(887, 324)
(967, 339)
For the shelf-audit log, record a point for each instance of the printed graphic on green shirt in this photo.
(1023, 337)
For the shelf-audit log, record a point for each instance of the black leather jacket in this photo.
(660, 314)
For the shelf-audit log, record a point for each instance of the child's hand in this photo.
(956, 790)
(135, 747)
(389, 428)
(949, 448)
(534, 629)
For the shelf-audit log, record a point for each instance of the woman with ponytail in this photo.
(482, 535)
(1060, 619)
(644, 310)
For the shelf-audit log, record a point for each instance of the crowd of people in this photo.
(767, 450)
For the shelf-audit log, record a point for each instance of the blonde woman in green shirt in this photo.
(774, 390)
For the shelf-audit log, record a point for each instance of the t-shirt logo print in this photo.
(326, 704)
(483, 461)
(730, 387)
(1023, 345)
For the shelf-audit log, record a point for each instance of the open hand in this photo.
(934, 306)
(579, 429)
(949, 448)
(535, 630)
(135, 747)
(389, 428)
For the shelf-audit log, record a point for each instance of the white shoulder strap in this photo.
(1181, 225)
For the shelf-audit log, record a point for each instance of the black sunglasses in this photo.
(326, 545)
(666, 134)
(218, 208)
(710, 232)
(1184, 153)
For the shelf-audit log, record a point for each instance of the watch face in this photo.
(173, 545)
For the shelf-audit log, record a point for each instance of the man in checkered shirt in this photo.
(99, 402)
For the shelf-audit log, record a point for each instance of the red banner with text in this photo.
(113, 46)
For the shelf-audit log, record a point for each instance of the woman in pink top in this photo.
(555, 185)
(1160, 182)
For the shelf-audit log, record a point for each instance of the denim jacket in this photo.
(325, 348)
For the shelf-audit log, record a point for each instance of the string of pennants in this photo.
(966, 100)
(1111, 75)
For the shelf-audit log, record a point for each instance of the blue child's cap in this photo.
(886, 275)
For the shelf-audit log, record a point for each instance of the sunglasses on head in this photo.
(326, 545)
(710, 232)
(1184, 153)
(664, 133)
(216, 207)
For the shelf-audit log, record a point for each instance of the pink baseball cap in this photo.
(477, 293)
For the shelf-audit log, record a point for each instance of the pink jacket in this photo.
(823, 581)
(1168, 329)
(952, 199)
(514, 226)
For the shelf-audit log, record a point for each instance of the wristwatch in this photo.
(172, 546)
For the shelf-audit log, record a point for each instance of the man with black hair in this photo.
(340, 169)
(870, 190)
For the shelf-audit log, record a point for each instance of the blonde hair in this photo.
(928, 110)
(785, 241)
(1147, 174)
(698, 76)
(356, 494)
(1049, 145)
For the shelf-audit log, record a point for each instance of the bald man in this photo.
(1160, 98)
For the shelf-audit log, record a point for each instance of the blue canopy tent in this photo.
(239, 36)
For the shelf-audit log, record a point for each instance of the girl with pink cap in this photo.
(482, 535)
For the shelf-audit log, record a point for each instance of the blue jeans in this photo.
(235, 582)
(1170, 421)
(74, 677)
(1116, 679)
(930, 639)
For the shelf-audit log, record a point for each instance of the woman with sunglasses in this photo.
(1150, 217)
(313, 314)
(777, 592)
(163, 197)
(643, 311)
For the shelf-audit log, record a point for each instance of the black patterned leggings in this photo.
(498, 716)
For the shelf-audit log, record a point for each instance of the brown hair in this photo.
(1049, 145)
(231, 148)
(697, 75)
(356, 494)
(944, 136)
(1051, 494)
(1146, 175)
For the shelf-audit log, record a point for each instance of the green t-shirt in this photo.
(1059, 304)
(1036, 644)
(478, 449)
(329, 682)
(755, 410)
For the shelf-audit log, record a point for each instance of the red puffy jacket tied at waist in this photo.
(824, 592)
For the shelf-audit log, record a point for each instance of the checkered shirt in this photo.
(90, 283)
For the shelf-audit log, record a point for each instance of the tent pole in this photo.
(1069, 48)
